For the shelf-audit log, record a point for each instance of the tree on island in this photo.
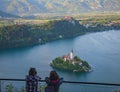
(70, 63)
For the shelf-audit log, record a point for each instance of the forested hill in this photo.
(20, 35)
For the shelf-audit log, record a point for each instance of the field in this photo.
(91, 19)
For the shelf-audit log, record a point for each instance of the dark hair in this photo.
(53, 75)
(32, 71)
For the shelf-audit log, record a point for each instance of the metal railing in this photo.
(67, 86)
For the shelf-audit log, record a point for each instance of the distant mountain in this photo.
(7, 15)
(58, 6)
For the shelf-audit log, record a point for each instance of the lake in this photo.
(101, 50)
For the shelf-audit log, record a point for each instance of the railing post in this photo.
(0, 85)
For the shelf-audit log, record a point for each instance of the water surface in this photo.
(101, 50)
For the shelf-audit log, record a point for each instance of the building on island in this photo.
(70, 57)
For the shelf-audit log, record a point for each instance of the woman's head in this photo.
(53, 75)
(32, 71)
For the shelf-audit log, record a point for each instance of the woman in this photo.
(32, 81)
(54, 81)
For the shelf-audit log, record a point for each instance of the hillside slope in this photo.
(58, 6)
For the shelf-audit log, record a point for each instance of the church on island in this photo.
(70, 62)
(70, 57)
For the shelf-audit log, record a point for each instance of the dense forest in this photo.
(22, 35)
(26, 34)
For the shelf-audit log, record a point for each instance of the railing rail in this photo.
(68, 82)
(93, 83)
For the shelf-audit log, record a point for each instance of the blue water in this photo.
(101, 50)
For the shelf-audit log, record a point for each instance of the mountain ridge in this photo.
(21, 7)
(7, 15)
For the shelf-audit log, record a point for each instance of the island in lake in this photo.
(70, 63)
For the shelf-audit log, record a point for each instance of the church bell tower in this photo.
(71, 55)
